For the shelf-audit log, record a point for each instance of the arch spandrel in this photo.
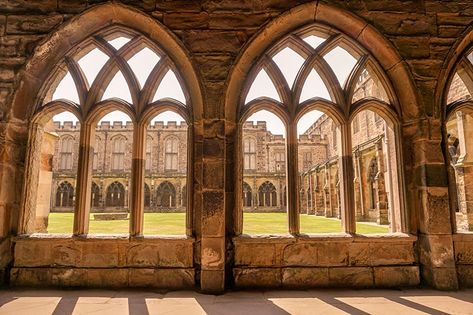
(54, 48)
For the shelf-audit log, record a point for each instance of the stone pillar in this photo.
(84, 179)
(212, 236)
(380, 187)
(137, 203)
(327, 198)
(45, 180)
(429, 197)
(30, 184)
(358, 186)
(464, 166)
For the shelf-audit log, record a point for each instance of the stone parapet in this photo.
(326, 261)
(109, 252)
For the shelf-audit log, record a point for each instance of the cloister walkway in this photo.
(103, 302)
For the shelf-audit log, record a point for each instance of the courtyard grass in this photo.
(174, 224)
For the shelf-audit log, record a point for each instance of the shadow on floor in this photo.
(358, 302)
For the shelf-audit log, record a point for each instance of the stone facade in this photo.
(105, 174)
(418, 44)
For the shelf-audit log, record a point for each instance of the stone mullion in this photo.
(84, 179)
(30, 186)
(190, 181)
(293, 195)
(347, 199)
(136, 201)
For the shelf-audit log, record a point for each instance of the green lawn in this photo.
(276, 223)
(174, 224)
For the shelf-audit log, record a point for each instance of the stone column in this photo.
(464, 166)
(358, 186)
(425, 169)
(292, 179)
(84, 179)
(381, 195)
(212, 236)
(136, 202)
(327, 198)
(30, 185)
(45, 181)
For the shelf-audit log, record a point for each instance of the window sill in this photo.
(105, 237)
(326, 237)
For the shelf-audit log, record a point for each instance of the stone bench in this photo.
(110, 216)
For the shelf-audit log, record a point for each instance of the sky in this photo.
(143, 62)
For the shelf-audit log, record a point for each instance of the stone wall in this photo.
(106, 262)
(325, 262)
(221, 37)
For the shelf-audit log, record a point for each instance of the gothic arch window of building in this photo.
(249, 154)
(148, 158)
(114, 83)
(66, 153)
(171, 154)
(267, 195)
(166, 195)
(95, 195)
(315, 80)
(115, 195)
(247, 195)
(118, 153)
(459, 142)
(65, 195)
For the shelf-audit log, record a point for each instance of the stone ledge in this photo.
(101, 253)
(104, 277)
(332, 237)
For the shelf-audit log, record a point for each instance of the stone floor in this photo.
(103, 302)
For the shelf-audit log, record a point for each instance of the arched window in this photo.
(171, 154)
(459, 142)
(166, 195)
(118, 153)
(115, 69)
(147, 196)
(249, 152)
(247, 195)
(317, 80)
(65, 195)
(95, 197)
(66, 149)
(115, 195)
(267, 195)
